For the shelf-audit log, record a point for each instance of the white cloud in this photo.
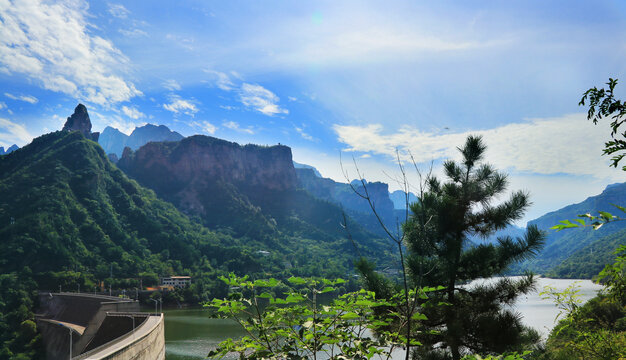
(235, 126)
(292, 98)
(26, 98)
(252, 96)
(304, 134)
(133, 33)
(132, 112)
(260, 99)
(171, 85)
(2, 105)
(50, 43)
(13, 133)
(569, 144)
(178, 105)
(119, 11)
(222, 80)
(208, 127)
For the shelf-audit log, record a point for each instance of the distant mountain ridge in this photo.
(114, 141)
(560, 245)
(9, 150)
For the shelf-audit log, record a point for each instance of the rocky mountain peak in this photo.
(79, 121)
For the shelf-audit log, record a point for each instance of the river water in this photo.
(190, 334)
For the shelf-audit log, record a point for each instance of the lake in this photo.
(190, 334)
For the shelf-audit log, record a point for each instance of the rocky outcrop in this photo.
(79, 121)
(114, 141)
(203, 157)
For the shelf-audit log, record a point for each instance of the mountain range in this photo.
(560, 246)
(200, 206)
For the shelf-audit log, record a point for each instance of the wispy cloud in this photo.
(171, 85)
(252, 96)
(304, 134)
(118, 10)
(260, 99)
(132, 112)
(13, 133)
(50, 44)
(221, 80)
(235, 126)
(567, 144)
(133, 33)
(179, 105)
(25, 98)
(2, 105)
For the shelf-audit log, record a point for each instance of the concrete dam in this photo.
(83, 326)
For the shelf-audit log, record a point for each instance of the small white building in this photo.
(176, 281)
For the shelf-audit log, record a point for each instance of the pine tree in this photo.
(440, 252)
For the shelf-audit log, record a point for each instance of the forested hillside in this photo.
(560, 245)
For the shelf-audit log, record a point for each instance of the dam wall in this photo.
(147, 342)
(82, 323)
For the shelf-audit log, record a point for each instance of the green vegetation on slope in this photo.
(590, 260)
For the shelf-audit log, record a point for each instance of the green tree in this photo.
(603, 104)
(440, 253)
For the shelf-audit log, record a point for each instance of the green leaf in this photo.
(350, 316)
(419, 316)
(296, 280)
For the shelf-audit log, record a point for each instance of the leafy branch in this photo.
(586, 220)
(296, 326)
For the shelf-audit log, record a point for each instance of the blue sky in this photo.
(352, 77)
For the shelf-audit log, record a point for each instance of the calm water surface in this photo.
(191, 334)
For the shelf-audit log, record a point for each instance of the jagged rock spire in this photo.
(79, 121)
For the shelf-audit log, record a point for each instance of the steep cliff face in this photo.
(224, 183)
(79, 121)
(202, 157)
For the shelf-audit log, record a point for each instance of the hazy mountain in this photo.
(114, 141)
(399, 199)
(305, 166)
(9, 150)
(354, 205)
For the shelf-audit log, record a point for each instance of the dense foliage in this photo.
(299, 325)
(18, 332)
